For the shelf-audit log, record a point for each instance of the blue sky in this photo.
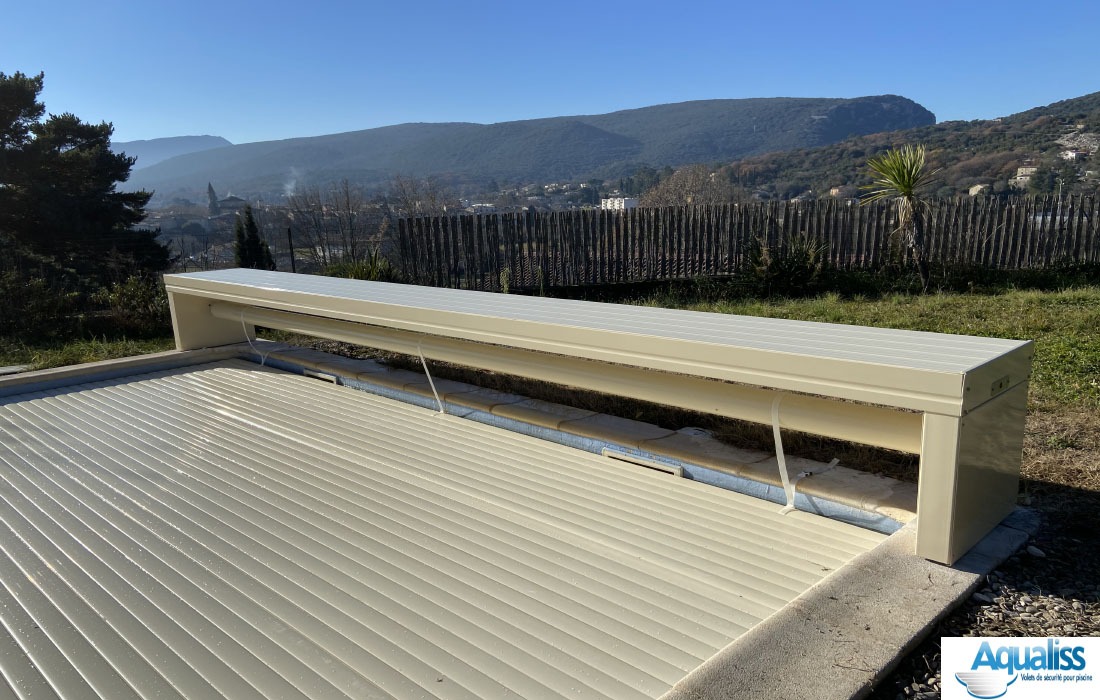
(253, 71)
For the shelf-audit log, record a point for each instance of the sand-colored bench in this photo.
(957, 401)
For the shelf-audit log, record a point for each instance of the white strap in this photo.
(435, 393)
(263, 355)
(788, 485)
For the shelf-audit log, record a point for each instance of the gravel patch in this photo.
(1051, 587)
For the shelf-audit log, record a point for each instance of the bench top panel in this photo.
(698, 343)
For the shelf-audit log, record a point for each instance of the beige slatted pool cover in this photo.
(229, 530)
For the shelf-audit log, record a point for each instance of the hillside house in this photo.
(619, 203)
(1023, 176)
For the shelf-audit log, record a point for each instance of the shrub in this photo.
(138, 305)
(374, 268)
(38, 305)
(790, 269)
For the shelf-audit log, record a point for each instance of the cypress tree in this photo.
(240, 248)
(250, 250)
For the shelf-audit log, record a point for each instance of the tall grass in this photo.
(73, 352)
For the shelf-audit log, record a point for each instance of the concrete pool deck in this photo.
(841, 637)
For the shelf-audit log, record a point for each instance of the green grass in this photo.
(14, 351)
(1065, 326)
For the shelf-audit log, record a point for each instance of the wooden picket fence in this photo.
(591, 247)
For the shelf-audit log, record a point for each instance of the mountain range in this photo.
(153, 151)
(967, 153)
(536, 150)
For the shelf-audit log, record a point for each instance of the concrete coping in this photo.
(54, 377)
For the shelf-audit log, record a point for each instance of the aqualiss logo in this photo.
(1028, 667)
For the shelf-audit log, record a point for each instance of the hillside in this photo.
(558, 148)
(154, 151)
(985, 151)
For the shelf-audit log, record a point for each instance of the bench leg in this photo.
(969, 474)
(195, 327)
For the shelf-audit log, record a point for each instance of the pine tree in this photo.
(211, 200)
(58, 179)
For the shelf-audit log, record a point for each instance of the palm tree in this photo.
(898, 175)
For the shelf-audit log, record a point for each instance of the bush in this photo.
(39, 297)
(38, 306)
(790, 269)
(42, 299)
(137, 306)
(375, 268)
(958, 277)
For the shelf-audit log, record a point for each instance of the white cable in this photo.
(788, 486)
(424, 364)
(827, 467)
(263, 355)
